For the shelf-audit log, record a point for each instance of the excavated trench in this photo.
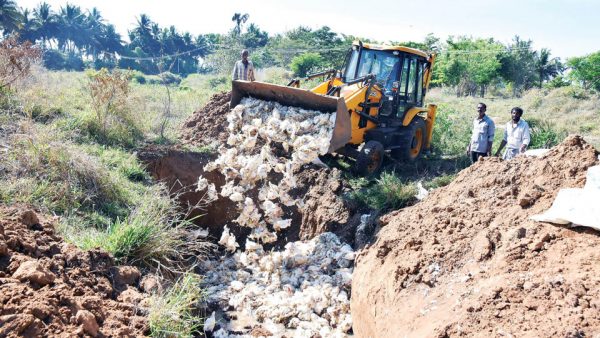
(321, 189)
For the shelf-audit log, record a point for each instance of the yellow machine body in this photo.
(351, 102)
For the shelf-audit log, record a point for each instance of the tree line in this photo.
(73, 39)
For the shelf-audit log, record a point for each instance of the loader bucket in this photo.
(295, 97)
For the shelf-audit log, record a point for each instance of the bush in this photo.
(173, 314)
(544, 134)
(113, 123)
(170, 78)
(138, 77)
(16, 59)
(305, 63)
(387, 192)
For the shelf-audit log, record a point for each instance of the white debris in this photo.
(257, 128)
(422, 192)
(228, 240)
(211, 191)
(301, 291)
(209, 323)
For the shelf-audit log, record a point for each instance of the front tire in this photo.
(369, 159)
(413, 141)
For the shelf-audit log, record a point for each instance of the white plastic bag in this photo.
(581, 207)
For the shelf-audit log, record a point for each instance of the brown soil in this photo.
(51, 288)
(321, 189)
(467, 261)
(209, 123)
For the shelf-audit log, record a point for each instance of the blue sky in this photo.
(567, 27)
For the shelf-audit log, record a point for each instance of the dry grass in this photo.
(568, 110)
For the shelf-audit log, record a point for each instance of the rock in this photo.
(29, 218)
(130, 295)
(15, 324)
(482, 247)
(150, 284)
(88, 322)
(3, 247)
(33, 272)
(125, 275)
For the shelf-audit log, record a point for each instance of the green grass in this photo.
(173, 314)
(439, 181)
(151, 236)
(388, 192)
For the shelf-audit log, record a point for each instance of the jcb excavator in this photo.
(378, 96)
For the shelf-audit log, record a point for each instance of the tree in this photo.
(586, 70)
(10, 17)
(519, 65)
(239, 20)
(547, 67)
(46, 22)
(469, 65)
(254, 37)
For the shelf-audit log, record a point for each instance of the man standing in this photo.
(243, 69)
(482, 136)
(516, 136)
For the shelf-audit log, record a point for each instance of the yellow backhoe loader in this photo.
(378, 96)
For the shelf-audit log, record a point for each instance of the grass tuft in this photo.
(388, 192)
(172, 314)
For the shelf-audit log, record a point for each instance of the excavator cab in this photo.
(378, 97)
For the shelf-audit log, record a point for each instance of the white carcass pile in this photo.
(255, 126)
(301, 291)
(304, 289)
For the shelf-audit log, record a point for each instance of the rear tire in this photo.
(412, 142)
(369, 159)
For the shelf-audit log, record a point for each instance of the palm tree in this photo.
(547, 67)
(11, 18)
(71, 24)
(239, 20)
(46, 21)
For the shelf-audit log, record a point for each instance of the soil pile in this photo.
(208, 124)
(468, 261)
(51, 288)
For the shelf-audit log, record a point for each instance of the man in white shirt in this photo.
(482, 136)
(243, 69)
(516, 135)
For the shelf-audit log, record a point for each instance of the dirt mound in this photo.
(321, 189)
(468, 261)
(209, 123)
(51, 288)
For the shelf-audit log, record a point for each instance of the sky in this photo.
(567, 27)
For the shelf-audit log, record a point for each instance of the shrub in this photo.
(305, 63)
(16, 59)
(138, 77)
(170, 78)
(544, 134)
(173, 313)
(387, 192)
(109, 93)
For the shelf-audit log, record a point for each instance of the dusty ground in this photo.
(51, 288)
(467, 261)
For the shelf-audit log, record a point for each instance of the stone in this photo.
(34, 272)
(125, 275)
(88, 322)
